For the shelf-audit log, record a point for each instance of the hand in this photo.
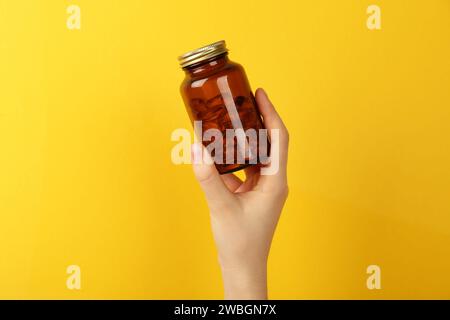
(244, 215)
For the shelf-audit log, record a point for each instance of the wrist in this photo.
(246, 281)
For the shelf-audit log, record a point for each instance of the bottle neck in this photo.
(207, 66)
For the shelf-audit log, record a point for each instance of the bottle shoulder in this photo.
(198, 80)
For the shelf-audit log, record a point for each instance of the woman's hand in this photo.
(244, 215)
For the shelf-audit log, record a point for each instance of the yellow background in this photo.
(85, 123)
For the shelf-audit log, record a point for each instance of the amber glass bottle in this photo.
(219, 99)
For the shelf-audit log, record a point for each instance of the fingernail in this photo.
(264, 93)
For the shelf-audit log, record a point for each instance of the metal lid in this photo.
(203, 53)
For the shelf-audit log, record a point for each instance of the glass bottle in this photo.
(222, 108)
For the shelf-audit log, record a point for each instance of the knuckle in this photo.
(284, 129)
(281, 191)
(284, 191)
(286, 134)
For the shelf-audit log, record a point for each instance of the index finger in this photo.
(275, 172)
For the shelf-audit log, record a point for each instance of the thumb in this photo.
(217, 194)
